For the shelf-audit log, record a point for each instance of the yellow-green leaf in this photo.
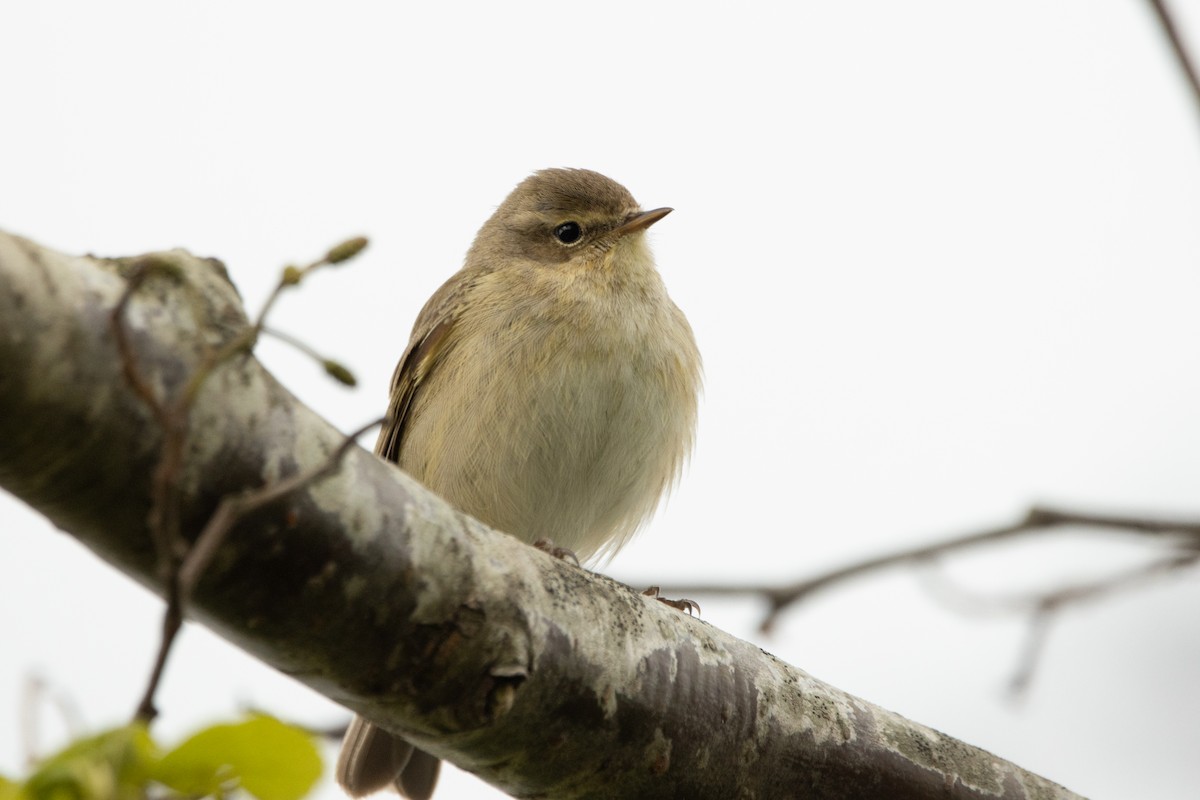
(111, 765)
(9, 790)
(266, 758)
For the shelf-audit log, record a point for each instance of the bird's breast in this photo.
(579, 423)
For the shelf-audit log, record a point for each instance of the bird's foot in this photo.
(683, 605)
(561, 553)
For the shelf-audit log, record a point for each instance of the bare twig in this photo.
(229, 511)
(181, 565)
(1031, 652)
(1182, 57)
(143, 268)
(163, 518)
(332, 368)
(1050, 605)
(172, 622)
(1043, 608)
(292, 276)
(779, 598)
(234, 507)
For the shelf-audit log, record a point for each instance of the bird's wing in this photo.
(430, 336)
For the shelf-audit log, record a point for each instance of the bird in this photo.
(549, 388)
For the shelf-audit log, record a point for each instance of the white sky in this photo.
(942, 260)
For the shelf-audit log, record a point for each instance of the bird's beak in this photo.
(641, 221)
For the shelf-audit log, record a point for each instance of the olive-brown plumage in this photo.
(549, 389)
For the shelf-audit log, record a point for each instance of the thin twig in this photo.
(163, 517)
(172, 622)
(234, 507)
(1171, 30)
(142, 269)
(200, 555)
(1037, 519)
(163, 520)
(1031, 653)
(1043, 608)
(779, 598)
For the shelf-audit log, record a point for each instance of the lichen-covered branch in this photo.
(544, 679)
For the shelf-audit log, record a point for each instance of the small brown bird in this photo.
(549, 389)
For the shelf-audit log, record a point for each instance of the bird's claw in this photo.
(683, 604)
(561, 553)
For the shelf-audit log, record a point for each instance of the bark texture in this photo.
(544, 679)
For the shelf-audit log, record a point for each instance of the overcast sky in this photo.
(942, 260)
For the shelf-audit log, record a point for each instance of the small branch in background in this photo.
(181, 564)
(780, 598)
(1182, 57)
(1043, 608)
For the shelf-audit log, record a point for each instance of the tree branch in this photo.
(544, 679)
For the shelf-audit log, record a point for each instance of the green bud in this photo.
(346, 250)
(339, 373)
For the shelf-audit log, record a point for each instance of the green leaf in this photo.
(112, 764)
(9, 790)
(268, 759)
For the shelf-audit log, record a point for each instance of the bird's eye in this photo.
(568, 232)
